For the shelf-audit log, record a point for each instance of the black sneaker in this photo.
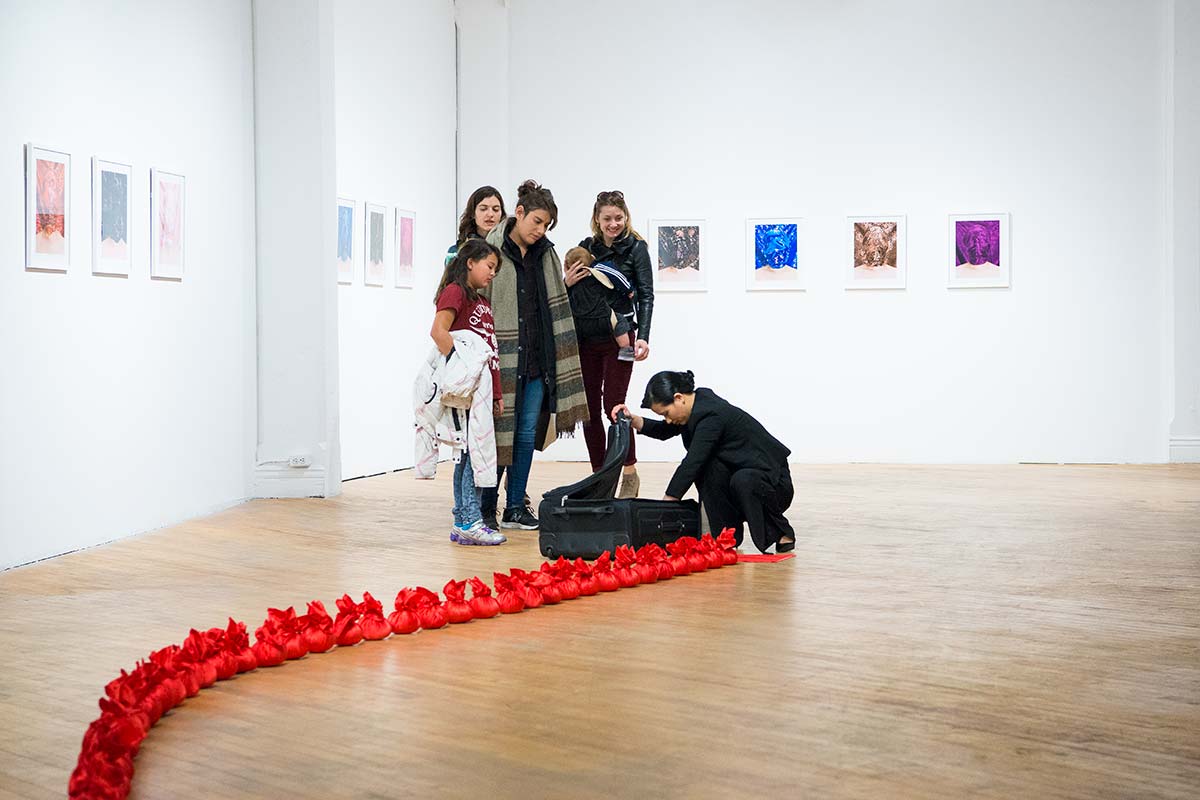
(519, 518)
(489, 519)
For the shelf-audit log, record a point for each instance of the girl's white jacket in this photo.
(444, 391)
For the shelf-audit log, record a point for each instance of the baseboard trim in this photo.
(1185, 449)
(288, 482)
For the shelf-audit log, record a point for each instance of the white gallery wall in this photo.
(1052, 112)
(395, 113)
(127, 403)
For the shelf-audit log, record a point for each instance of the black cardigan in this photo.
(717, 429)
(631, 256)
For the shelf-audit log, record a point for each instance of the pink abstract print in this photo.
(51, 207)
(406, 242)
(170, 223)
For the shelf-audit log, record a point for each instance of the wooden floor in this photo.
(944, 632)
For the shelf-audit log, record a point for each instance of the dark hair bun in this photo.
(528, 186)
(687, 382)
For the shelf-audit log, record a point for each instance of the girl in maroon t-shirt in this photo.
(459, 308)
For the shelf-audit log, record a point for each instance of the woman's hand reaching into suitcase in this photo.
(634, 420)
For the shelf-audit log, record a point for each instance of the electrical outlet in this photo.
(298, 461)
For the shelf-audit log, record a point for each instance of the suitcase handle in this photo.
(675, 527)
(595, 511)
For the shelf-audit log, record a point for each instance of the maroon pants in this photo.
(605, 380)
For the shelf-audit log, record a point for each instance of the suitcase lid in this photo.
(601, 484)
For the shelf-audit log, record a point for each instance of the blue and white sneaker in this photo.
(480, 534)
(455, 531)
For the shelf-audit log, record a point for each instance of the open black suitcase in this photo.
(584, 519)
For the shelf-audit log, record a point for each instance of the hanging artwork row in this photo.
(387, 237)
(49, 219)
(875, 253)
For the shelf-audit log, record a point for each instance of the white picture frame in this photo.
(974, 240)
(880, 243)
(112, 218)
(48, 221)
(374, 244)
(690, 251)
(774, 260)
(168, 224)
(346, 212)
(403, 232)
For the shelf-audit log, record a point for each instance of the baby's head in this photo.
(577, 255)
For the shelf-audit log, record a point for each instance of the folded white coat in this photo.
(452, 401)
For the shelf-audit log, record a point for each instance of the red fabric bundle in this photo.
(105, 766)
(530, 595)
(690, 550)
(679, 561)
(374, 625)
(287, 625)
(172, 679)
(431, 614)
(508, 594)
(317, 628)
(627, 576)
(168, 657)
(603, 571)
(403, 619)
(646, 564)
(346, 629)
(712, 553)
(588, 585)
(227, 665)
(563, 572)
(237, 642)
(194, 655)
(458, 610)
(483, 605)
(656, 557)
(545, 583)
(268, 648)
(129, 696)
(727, 544)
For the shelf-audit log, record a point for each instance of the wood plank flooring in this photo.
(944, 632)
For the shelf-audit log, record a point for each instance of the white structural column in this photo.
(295, 172)
(1183, 212)
(483, 83)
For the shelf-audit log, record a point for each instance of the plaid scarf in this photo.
(565, 397)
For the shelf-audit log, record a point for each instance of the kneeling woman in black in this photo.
(740, 470)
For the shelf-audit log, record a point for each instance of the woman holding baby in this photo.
(620, 261)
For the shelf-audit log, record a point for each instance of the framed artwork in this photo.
(876, 256)
(47, 209)
(980, 252)
(167, 220)
(375, 222)
(112, 218)
(404, 248)
(773, 255)
(345, 240)
(677, 250)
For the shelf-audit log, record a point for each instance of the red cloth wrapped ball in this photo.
(403, 620)
(374, 625)
(317, 628)
(237, 641)
(458, 610)
(346, 629)
(508, 597)
(483, 605)
(268, 648)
